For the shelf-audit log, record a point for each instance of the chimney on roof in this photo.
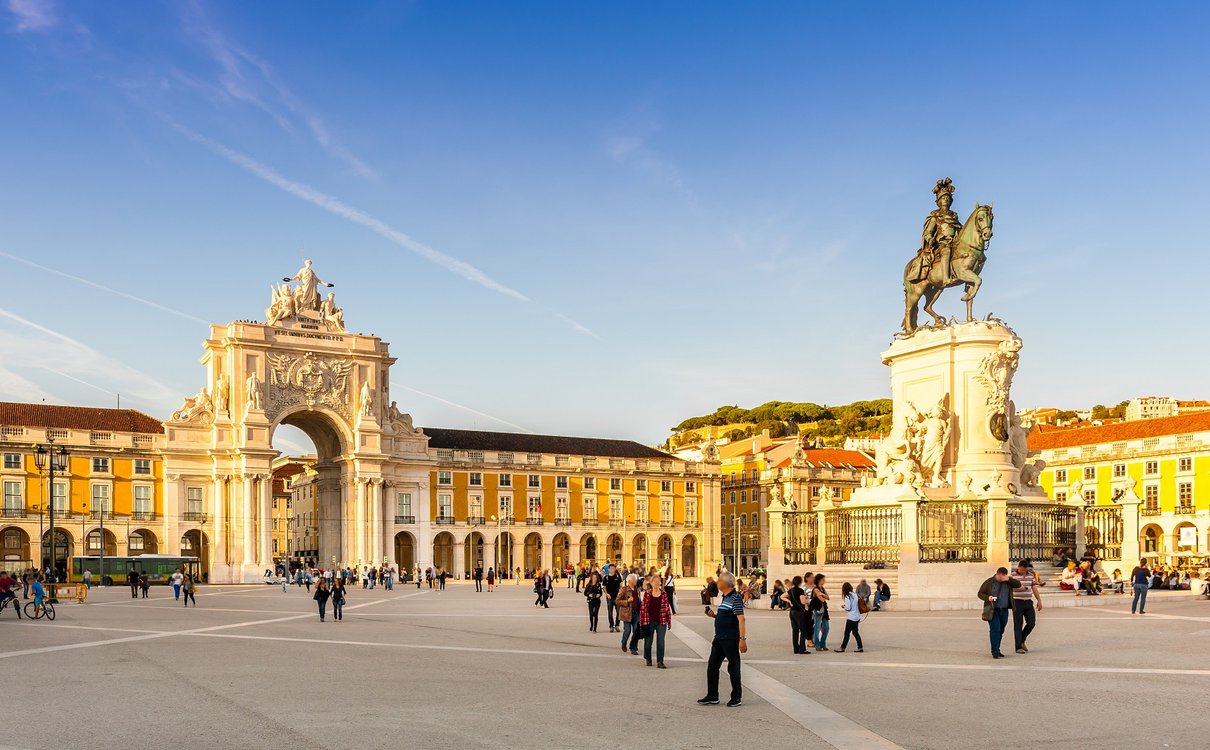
(765, 432)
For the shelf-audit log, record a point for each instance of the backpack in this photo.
(863, 606)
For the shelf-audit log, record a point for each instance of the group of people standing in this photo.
(810, 619)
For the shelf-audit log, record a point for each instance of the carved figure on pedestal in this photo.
(775, 496)
(306, 294)
(934, 440)
(1032, 472)
(222, 393)
(255, 392)
(199, 408)
(400, 422)
(898, 455)
(367, 400)
(950, 255)
(1018, 440)
(333, 316)
(825, 494)
(996, 371)
(787, 496)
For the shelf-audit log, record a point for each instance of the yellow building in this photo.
(1165, 461)
(109, 499)
(754, 468)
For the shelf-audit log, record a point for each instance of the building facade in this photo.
(110, 499)
(1165, 461)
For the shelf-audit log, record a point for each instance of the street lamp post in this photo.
(51, 459)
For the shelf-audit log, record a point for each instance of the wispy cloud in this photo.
(102, 287)
(53, 351)
(635, 151)
(32, 15)
(357, 216)
(247, 78)
(467, 409)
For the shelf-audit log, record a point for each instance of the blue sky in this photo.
(598, 218)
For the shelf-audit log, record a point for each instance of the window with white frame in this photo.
(640, 485)
(590, 509)
(665, 485)
(445, 505)
(1184, 494)
(691, 510)
(560, 483)
(732, 497)
(615, 509)
(142, 466)
(476, 506)
(640, 510)
(1119, 471)
(12, 460)
(743, 497)
(743, 520)
(143, 503)
(100, 498)
(666, 510)
(562, 509)
(100, 466)
(445, 478)
(94, 540)
(1151, 495)
(13, 500)
(1151, 468)
(1185, 463)
(403, 503)
(1060, 496)
(1090, 496)
(135, 542)
(58, 496)
(615, 484)
(1090, 473)
(1060, 476)
(590, 483)
(506, 506)
(535, 481)
(476, 479)
(193, 501)
(755, 522)
(533, 506)
(506, 480)
(690, 487)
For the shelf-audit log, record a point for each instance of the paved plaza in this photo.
(251, 666)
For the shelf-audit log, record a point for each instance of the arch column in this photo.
(247, 553)
(266, 520)
(547, 555)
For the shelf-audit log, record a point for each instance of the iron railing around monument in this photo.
(863, 535)
(1103, 531)
(952, 531)
(1036, 532)
(801, 534)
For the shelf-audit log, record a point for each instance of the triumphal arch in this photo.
(302, 368)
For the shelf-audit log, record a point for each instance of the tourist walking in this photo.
(441, 576)
(542, 589)
(1024, 616)
(852, 605)
(593, 593)
(997, 596)
(1140, 579)
(627, 603)
(612, 583)
(87, 579)
(730, 640)
(655, 617)
(478, 576)
(819, 610)
(491, 580)
(144, 584)
(189, 588)
(321, 597)
(132, 580)
(338, 600)
(796, 598)
(178, 577)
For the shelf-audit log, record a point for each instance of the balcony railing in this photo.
(194, 515)
(142, 515)
(98, 514)
(474, 520)
(445, 520)
(534, 521)
(405, 519)
(589, 522)
(1147, 510)
(1186, 510)
(693, 524)
(562, 522)
(13, 512)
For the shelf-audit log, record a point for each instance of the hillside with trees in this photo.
(830, 424)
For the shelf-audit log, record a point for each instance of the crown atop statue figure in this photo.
(945, 185)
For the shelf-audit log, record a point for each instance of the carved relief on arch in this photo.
(307, 380)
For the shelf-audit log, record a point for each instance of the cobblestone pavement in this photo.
(251, 666)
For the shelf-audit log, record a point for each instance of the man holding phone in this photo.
(730, 640)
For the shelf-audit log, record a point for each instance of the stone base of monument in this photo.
(955, 496)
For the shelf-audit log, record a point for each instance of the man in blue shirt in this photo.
(730, 640)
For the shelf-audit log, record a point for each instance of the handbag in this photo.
(988, 610)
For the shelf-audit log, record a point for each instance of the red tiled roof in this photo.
(77, 418)
(1139, 429)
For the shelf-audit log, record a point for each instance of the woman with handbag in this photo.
(655, 617)
(593, 593)
(853, 606)
(797, 599)
(321, 596)
(338, 599)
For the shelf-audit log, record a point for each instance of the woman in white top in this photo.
(852, 608)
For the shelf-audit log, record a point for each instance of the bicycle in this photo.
(48, 611)
(11, 602)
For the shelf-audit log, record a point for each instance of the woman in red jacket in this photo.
(655, 617)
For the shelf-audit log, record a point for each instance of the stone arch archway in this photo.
(638, 551)
(613, 549)
(142, 542)
(64, 549)
(689, 556)
(505, 557)
(195, 543)
(14, 548)
(560, 551)
(443, 551)
(476, 552)
(666, 551)
(96, 537)
(588, 549)
(1177, 546)
(533, 552)
(1151, 540)
(405, 552)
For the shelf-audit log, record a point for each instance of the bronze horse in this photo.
(966, 262)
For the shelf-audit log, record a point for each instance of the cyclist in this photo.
(39, 594)
(6, 587)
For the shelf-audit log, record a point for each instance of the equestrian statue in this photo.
(951, 254)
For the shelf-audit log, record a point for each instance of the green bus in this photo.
(159, 568)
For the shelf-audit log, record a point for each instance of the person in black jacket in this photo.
(612, 583)
(593, 592)
(321, 596)
(997, 596)
(338, 599)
